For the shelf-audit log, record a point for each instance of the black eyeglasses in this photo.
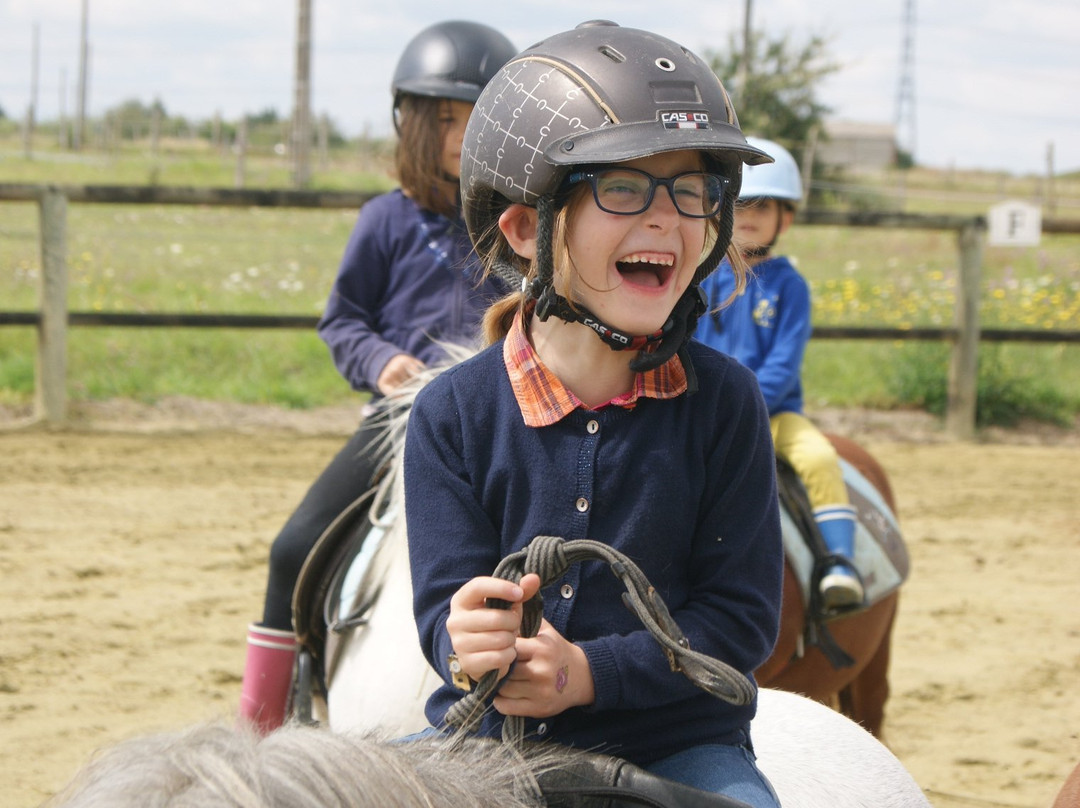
(628, 191)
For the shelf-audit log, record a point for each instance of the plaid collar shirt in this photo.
(544, 399)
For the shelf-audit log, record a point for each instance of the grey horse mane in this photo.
(393, 417)
(223, 766)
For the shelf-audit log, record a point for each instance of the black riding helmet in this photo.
(453, 59)
(595, 95)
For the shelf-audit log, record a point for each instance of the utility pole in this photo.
(1051, 198)
(80, 100)
(62, 140)
(301, 122)
(31, 110)
(905, 96)
(747, 46)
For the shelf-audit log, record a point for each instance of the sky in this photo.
(995, 83)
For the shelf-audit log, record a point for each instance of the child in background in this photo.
(599, 172)
(766, 327)
(408, 282)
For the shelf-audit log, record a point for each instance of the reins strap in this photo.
(550, 557)
(677, 332)
(592, 780)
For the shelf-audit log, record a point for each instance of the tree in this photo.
(268, 116)
(779, 100)
(132, 119)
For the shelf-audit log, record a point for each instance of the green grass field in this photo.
(147, 258)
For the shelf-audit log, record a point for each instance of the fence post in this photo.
(964, 366)
(50, 397)
(239, 175)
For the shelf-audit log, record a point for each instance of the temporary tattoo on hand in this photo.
(561, 678)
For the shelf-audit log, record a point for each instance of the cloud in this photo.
(991, 77)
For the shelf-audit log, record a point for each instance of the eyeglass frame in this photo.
(590, 175)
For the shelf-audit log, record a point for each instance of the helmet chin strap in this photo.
(669, 340)
(549, 303)
(677, 332)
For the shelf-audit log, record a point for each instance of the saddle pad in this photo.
(880, 554)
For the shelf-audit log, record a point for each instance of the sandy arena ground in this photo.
(133, 547)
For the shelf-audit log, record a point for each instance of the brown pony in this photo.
(858, 691)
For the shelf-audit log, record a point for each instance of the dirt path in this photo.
(131, 562)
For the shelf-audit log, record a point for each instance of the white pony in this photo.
(377, 678)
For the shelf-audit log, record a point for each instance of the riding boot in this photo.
(841, 587)
(268, 673)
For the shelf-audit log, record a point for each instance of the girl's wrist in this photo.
(584, 692)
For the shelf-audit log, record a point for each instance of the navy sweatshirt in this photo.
(685, 487)
(408, 280)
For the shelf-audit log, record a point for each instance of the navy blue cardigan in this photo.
(685, 487)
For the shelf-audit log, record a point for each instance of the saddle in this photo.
(338, 585)
(881, 558)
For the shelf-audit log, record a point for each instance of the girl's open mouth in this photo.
(646, 268)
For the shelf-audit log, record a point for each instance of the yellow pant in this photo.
(806, 450)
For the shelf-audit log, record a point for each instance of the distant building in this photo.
(856, 146)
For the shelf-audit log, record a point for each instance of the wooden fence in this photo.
(53, 319)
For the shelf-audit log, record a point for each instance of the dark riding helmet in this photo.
(453, 59)
(594, 95)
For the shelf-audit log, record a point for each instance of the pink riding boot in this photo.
(268, 675)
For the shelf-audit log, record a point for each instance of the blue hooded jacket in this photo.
(766, 328)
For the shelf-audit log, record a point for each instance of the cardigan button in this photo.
(582, 504)
(592, 427)
(566, 591)
(541, 729)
